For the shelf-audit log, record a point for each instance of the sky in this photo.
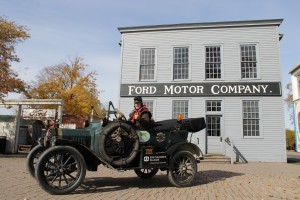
(64, 29)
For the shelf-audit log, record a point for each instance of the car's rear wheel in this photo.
(32, 158)
(182, 169)
(60, 170)
(146, 173)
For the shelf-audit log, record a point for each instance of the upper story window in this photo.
(251, 119)
(147, 64)
(180, 107)
(248, 61)
(181, 63)
(213, 62)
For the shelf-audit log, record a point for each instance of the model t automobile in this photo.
(61, 167)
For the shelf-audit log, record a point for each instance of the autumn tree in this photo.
(289, 100)
(10, 35)
(71, 82)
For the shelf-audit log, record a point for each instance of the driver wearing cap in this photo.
(140, 114)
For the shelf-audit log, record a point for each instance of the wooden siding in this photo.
(270, 147)
(230, 39)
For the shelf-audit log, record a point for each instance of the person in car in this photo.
(140, 115)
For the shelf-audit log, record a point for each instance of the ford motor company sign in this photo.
(202, 89)
(39, 113)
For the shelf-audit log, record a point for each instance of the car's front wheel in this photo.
(182, 169)
(60, 170)
(146, 173)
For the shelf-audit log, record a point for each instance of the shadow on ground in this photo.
(109, 184)
(293, 157)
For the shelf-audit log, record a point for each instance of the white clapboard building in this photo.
(227, 72)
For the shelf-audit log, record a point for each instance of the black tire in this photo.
(182, 169)
(146, 173)
(60, 170)
(118, 143)
(32, 158)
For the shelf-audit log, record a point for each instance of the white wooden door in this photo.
(214, 134)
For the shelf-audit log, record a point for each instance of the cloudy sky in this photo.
(62, 29)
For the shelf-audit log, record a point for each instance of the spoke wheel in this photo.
(32, 158)
(118, 143)
(146, 173)
(182, 169)
(60, 170)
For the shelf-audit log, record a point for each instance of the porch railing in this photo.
(229, 142)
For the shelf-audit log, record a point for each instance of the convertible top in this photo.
(191, 124)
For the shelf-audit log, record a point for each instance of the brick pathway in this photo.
(214, 181)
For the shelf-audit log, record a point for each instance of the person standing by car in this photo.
(49, 133)
(140, 115)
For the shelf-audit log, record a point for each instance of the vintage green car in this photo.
(117, 144)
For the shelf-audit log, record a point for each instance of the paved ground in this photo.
(214, 181)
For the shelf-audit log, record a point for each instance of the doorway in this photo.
(214, 134)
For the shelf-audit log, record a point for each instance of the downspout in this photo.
(295, 128)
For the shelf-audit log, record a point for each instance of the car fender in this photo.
(185, 146)
(91, 159)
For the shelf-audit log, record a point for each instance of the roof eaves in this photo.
(267, 22)
(294, 68)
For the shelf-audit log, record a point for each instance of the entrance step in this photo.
(216, 159)
(22, 148)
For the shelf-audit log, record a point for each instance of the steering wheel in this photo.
(121, 116)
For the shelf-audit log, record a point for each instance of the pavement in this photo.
(213, 181)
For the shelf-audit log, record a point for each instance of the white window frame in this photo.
(260, 119)
(217, 113)
(189, 63)
(155, 63)
(257, 61)
(222, 62)
(214, 112)
(181, 99)
(154, 106)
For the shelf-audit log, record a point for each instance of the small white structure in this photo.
(295, 73)
(12, 128)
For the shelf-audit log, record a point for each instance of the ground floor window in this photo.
(150, 105)
(213, 117)
(180, 107)
(213, 106)
(251, 118)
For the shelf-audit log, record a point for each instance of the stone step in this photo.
(215, 158)
(24, 148)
